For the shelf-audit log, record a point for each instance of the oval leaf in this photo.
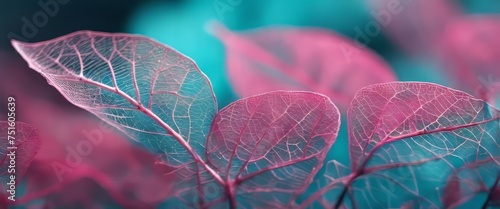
(269, 147)
(300, 59)
(471, 49)
(147, 90)
(410, 133)
(406, 139)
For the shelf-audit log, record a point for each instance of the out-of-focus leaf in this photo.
(300, 59)
(415, 26)
(15, 161)
(471, 51)
(405, 140)
(79, 152)
(26, 145)
(269, 147)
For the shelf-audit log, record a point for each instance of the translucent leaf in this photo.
(471, 50)
(269, 147)
(149, 91)
(159, 97)
(406, 139)
(300, 59)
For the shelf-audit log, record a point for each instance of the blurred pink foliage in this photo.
(393, 127)
(466, 46)
(113, 169)
(27, 142)
(125, 172)
(415, 26)
(305, 59)
(471, 51)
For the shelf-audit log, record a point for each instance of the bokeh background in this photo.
(182, 25)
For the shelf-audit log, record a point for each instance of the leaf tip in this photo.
(19, 45)
(23, 48)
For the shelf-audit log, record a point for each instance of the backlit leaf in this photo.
(269, 147)
(149, 91)
(406, 139)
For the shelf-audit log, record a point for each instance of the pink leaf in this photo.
(405, 139)
(471, 50)
(416, 26)
(16, 161)
(149, 91)
(411, 111)
(269, 147)
(62, 126)
(300, 59)
(168, 108)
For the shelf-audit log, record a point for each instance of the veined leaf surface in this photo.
(148, 90)
(405, 140)
(269, 147)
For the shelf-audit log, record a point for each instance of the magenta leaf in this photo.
(269, 147)
(415, 26)
(16, 161)
(471, 50)
(300, 59)
(405, 140)
(149, 91)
